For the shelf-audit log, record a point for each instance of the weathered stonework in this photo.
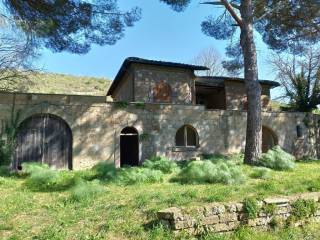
(226, 217)
(96, 126)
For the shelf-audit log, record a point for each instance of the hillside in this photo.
(62, 84)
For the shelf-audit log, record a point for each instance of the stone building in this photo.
(158, 108)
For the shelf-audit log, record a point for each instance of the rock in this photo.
(170, 213)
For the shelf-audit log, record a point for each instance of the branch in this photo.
(232, 12)
(230, 8)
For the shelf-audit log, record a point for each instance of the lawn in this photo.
(126, 210)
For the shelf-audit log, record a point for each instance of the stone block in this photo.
(210, 220)
(228, 217)
(277, 201)
(172, 213)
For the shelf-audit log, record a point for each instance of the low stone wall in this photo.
(226, 217)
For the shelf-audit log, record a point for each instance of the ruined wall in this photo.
(96, 127)
(226, 217)
(181, 82)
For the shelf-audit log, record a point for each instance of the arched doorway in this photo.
(269, 139)
(129, 147)
(44, 138)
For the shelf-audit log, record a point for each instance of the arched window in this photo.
(187, 136)
(162, 93)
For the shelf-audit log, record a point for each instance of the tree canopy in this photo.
(283, 25)
(72, 25)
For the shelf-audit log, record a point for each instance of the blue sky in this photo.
(161, 34)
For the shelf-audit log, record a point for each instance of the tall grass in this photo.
(209, 172)
(277, 159)
(163, 164)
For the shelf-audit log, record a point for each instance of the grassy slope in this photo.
(127, 212)
(63, 84)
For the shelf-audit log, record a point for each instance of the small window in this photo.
(186, 136)
(299, 131)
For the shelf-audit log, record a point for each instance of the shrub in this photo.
(85, 191)
(104, 170)
(303, 208)
(261, 173)
(136, 175)
(163, 164)
(32, 167)
(277, 159)
(209, 172)
(43, 179)
(250, 207)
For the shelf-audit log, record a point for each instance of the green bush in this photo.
(84, 191)
(303, 208)
(136, 175)
(250, 207)
(45, 179)
(261, 173)
(163, 164)
(32, 167)
(209, 172)
(277, 159)
(104, 171)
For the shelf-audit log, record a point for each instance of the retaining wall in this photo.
(226, 217)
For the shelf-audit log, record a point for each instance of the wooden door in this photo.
(45, 139)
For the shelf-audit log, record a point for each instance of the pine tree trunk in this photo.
(253, 88)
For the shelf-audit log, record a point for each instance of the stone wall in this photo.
(96, 126)
(226, 217)
(181, 82)
(236, 94)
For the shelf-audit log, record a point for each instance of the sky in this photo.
(161, 34)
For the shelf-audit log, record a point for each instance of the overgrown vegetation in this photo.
(163, 164)
(277, 159)
(303, 208)
(104, 202)
(251, 207)
(211, 172)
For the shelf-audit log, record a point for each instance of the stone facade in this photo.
(226, 217)
(96, 127)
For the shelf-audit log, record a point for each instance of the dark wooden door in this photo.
(129, 147)
(46, 139)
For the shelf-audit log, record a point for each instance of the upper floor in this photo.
(141, 80)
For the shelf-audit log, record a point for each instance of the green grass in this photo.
(62, 84)
(109, 210)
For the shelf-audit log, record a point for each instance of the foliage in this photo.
(299, 75)
(121, 104)
(163, 164)
(250, 207)
(129, 211)
(54, 83)
(277, 159)
(9, 132)
(269, 209)
(134, 175)
(85, 191)
(44, 179)
(88, 22)
(208, 172)
(104, 171)
(303, 208)
(261, 173)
